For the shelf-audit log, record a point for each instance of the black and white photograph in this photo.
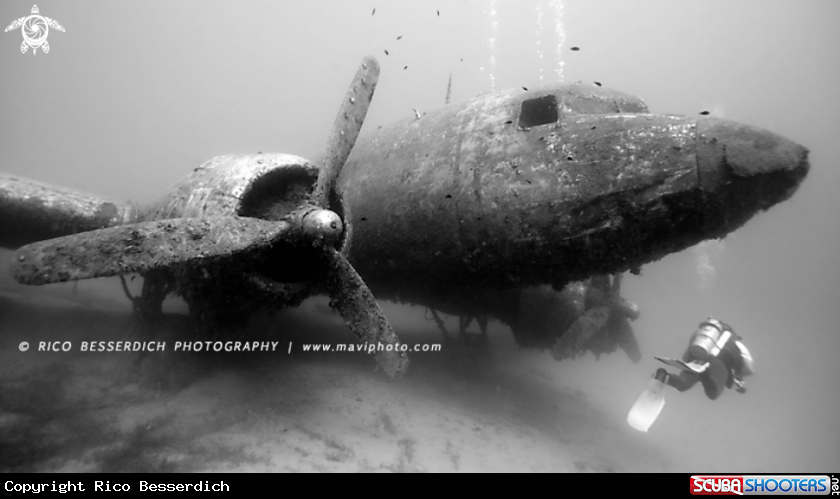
(362, 236)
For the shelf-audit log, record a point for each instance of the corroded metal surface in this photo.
(511, 208)
(221, 186)
(581, 331)
(587, 315)
(467, 199)
(195, 240)
(465, 209)
(142, 247)
(345, 130)
(744, 170)
(33, 211)
(358, 307)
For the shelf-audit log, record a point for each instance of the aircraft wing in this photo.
(33, 211)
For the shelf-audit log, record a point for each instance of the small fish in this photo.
(417, 114)
(575, 49)
(462, 59)
(405, 67)
(525, 88)
(704, 113)
(399, 38)
(386, 53)
(598, 83)
(374, 11)
(438, 13)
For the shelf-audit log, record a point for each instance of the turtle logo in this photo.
(35, 31)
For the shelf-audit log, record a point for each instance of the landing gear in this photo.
(148, 307)
(464, 320)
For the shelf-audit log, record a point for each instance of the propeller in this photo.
(348, 292)
(608, 312)
(146, 246)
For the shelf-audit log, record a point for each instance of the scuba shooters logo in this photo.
(708, 485)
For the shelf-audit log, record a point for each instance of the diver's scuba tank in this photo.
(709, 339)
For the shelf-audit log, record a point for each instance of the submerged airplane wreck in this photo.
(519, 204)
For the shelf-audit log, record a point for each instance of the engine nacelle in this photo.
(265, 186)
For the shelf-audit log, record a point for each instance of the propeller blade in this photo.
(348, 291)
(626, 337)
(585, 327)
(356, 304)
(142, 247)
(346, 128)
(611, 298)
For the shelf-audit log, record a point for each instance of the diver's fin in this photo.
(648, 405)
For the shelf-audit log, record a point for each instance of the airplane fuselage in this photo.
(556, 184)
(460, 209)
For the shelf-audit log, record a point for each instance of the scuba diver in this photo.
(716, 357)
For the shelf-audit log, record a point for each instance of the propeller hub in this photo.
(323, 224)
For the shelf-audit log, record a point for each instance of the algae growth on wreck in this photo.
(131, 99)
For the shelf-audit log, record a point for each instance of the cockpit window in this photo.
(539, 111)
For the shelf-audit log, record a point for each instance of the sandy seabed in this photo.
(466, 408)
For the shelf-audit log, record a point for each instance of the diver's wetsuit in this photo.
(721, 372)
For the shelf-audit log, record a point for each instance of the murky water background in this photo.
(135, 94)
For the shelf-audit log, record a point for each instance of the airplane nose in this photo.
(744, 169)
